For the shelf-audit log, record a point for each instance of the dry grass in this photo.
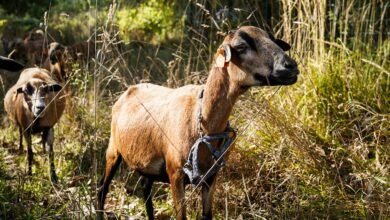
(318, 149)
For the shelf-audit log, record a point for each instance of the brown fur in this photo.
(82, 50)
(36, 44)
(61, 58)
(31, 49)
(13, 102)
(57, 62)
(151, 123)
(34, 50)
(17, 106)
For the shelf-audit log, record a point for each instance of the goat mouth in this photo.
(39, 114)
(272, 80)
(290, 80)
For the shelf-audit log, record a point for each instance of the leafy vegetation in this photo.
(318, 149)
(149, 20)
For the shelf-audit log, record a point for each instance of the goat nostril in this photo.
(290, 65)
(40, 108)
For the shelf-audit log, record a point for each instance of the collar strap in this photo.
(200, 116)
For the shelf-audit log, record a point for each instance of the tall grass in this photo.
(330, 131)
(318, 149)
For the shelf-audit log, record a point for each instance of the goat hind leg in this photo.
(20, 140)
(113, 160)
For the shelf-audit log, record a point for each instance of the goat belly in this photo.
(156, 171)
(37, 129)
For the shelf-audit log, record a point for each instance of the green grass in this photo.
(317, 149)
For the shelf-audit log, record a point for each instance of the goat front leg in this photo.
(176, 178)
(48, 138)
(148, 183)
(207, 198)
(30, 158)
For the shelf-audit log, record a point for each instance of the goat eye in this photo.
(29, 89)
(45, 88)
(241, 48)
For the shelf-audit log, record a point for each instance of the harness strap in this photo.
(191, 167)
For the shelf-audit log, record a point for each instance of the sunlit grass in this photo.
(316, 149)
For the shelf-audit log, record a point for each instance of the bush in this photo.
(152, 20)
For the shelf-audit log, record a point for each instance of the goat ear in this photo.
(282, 44)
(223, 55)
(54, 88)
(16, 93)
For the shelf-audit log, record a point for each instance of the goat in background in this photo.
(35, 103)
(31, 49)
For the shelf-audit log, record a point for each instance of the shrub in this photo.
(152, 20)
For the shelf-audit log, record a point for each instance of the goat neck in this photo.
(220, 95)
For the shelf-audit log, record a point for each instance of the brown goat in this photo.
(35, 103)
(61, 58)
(57, 62)
(82, 50)
(153, 128)
(36, 44)
(32, 49)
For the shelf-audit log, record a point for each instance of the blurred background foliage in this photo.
(318, 149)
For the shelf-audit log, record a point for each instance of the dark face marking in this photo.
(249, 40)
(52, 88)
(29, 90)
